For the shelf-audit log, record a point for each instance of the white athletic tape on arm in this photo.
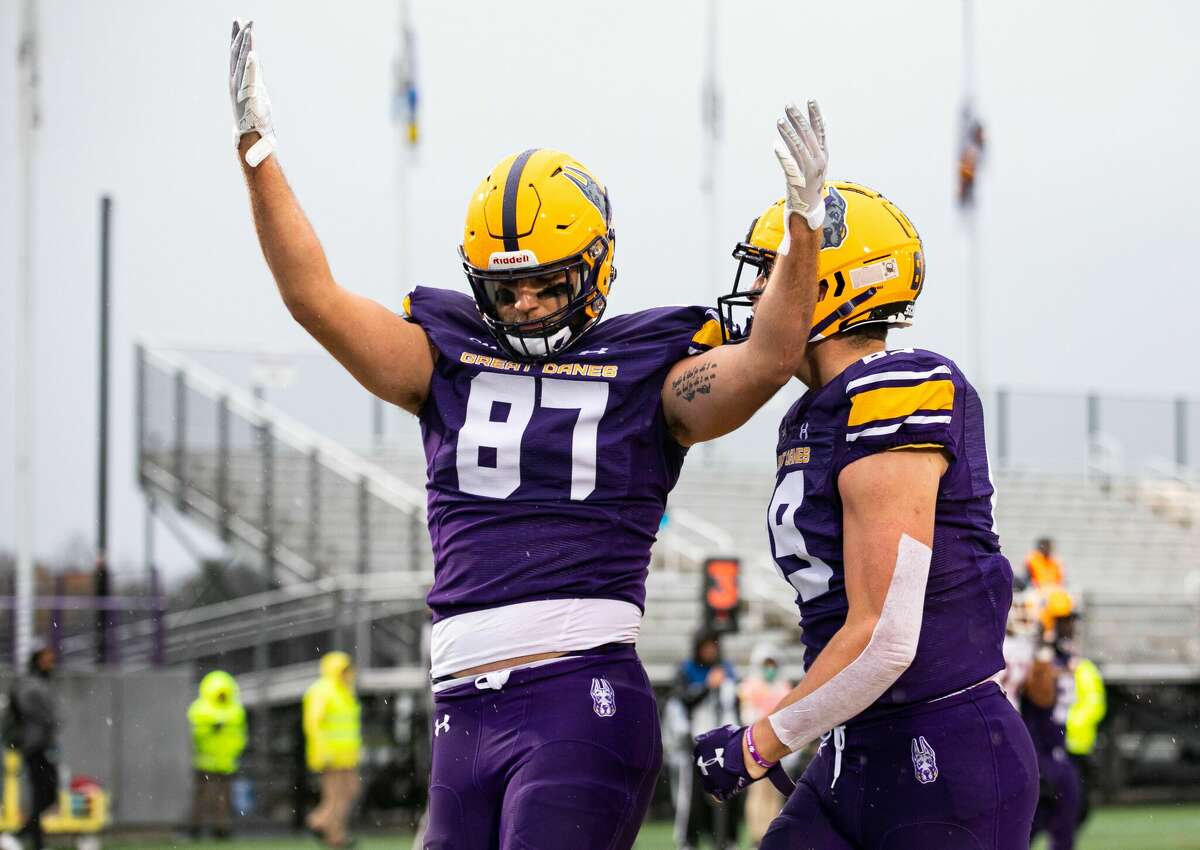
(891, 649)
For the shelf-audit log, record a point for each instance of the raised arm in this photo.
(714, 393)
(386, 354)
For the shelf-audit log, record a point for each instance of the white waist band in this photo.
(528, 628)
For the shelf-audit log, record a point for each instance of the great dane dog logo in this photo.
(604, 701)
(834, 233)
(924, 761)
(590, 189)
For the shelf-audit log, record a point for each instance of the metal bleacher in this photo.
(341, 538)
(1136, 571)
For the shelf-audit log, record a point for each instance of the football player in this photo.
(552, 440)
(1046, 702)
(1021, 638)
(881, 523)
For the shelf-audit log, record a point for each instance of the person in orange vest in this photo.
(1044, 570)
(333, 743)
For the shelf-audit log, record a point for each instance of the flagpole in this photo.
(710, 121)
(404, 117)
(404, 147)
(974, 269)
(24, 355)
(710, 99)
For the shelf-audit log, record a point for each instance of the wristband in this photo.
(753, 750)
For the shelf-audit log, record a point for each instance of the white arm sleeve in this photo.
(888, 653)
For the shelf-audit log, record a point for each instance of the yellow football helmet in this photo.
(871, 266)
(1024, 613)
(537, 214)
(1057, 605)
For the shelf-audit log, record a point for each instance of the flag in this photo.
(404, 103)
(970, 155)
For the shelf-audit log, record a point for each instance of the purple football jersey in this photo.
(548, 480)
(887, 400)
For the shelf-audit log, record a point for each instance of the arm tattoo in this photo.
(695, 381)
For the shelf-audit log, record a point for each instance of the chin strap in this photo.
(540, 346)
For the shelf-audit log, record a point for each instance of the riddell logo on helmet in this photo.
(511, 260)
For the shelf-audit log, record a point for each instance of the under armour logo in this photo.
(705, 764)
(804, 431)
(440, 726)
(594, 351)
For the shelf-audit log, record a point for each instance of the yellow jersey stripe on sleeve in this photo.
(896, 402)
(709, 335)
(406, 306)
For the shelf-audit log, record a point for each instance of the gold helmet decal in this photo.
(538, 214)
(871, 267)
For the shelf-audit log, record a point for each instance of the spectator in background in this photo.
(759, 693)
(1022, 636)
(333, 742)
(35, 734)
(218, 723)
(706, 688)
(1048, 695)
(1042, 568)
(1089, 708)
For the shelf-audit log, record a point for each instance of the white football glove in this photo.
(251, 105)
(804, 160)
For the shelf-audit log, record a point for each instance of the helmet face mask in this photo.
(539, 219)
(544, 336)
(736, 308)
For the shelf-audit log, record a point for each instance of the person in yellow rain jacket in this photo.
(333, 741)
(1085, 714)
(218, 723)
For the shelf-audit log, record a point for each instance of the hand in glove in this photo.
(804, 159)
(251, 105)
(723, 766)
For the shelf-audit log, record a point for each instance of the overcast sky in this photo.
(1089, 214)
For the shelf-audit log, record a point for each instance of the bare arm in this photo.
(714, 393)
(386, 354)
(884, 496)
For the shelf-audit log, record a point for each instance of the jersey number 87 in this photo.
(499, 409)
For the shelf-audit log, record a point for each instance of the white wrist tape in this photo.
(891, 649)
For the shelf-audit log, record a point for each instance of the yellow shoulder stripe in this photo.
(916, 446)
(709, 334)
(406, 306)
(893, 402)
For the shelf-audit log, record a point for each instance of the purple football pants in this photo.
(959, 773)
(561, 757)
(1058, 808)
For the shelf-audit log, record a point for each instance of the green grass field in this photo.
(1133, 828)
